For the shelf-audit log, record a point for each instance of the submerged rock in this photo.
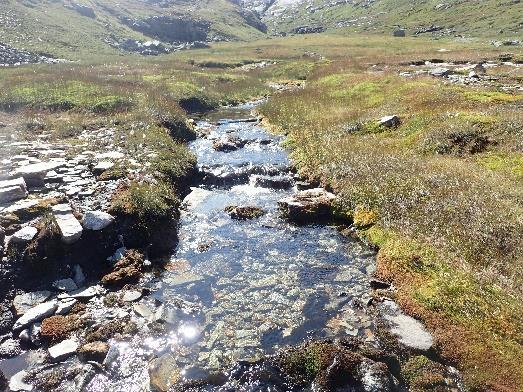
(308, 206)
(163, 372)
(95, 351)
(228, 144)
(273, 182)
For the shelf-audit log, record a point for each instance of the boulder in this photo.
(23, 302)
(65, 285)
(163, 372)
(12, 190)
(63, 349)
(228, 144)
(439, 72)
(97, 220)
(244, 213)
(35, 314)
(390, 121)
(17, 383)
(70, 229)
(95, 351)
(308, 206)
(273, 182)
(24, 235)
(410, 332)
(34, 174)
(399, 33)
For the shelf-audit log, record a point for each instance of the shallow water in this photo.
(235, 290)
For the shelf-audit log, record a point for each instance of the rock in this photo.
(439, 72)
(273, 182)
(399, 33)
(78, 276)
(102, 166)
(36, 313)
(479, 69)
(244, 213)
(12, 190)
(97, 220)
(23, 302)
(390, 121)
(126, 270)
(34, 333)
(228, 144)
(63, 350)
(10, 348)
(163, 372)
(308, 205)
(65, 285)
(24, 235)
(34, 174)
(87, 293)
(17, 383)
(143, 310)
(65, 306)
(379, 284)
(69, 226)
(410, 332)
(131, 296)
(95, 351)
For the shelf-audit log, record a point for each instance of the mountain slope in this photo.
(466, 17)
(76, 29)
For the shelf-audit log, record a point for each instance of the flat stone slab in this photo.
(23, 302)
(410, 332)
(97, 220)
(12, 190)
(24, 235)
(35, 314)
(63, 350)
(34, 174)
(69, 226)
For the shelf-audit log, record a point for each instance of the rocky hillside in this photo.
(440, 17)
(79, 28)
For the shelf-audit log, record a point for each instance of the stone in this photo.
(410, 332)
(87, 293)
(95, 351)
(131, 296)
(70, 229)
(399, 33)
(65, 306)
(273, 182)
(34, 174)
(308, 206)
(439, 72)
(65, 285)
(12, 190)
(390, 121)
(23, 302)
(97, 220)
(78, 276)
(244, 213)
(143, 310)
(35, 314)
(17, 383)
(102, 166)
(24, 235)
(63, 349)
(163, 372)
(228, 144)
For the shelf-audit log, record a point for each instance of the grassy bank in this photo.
(440, 195)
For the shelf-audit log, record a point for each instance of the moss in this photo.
(58, 328)
(364, 216)
(422, 374)
(126, 270)
(491, 97)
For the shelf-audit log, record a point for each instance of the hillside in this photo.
(462, 17)
(71, 29)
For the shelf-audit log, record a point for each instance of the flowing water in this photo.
(235, 290)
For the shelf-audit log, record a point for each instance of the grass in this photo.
(449, 231)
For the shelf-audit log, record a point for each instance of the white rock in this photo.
(23, 302)
(65, 285)
(131, 296)
(65, 306)
(63, 350)
(16, 383)
(390, 121)
(36, 313)
(87, 293)
(12, 190)
(69, 226)
(97, 220)
(35, 173)
(410, 332)
(24, 235)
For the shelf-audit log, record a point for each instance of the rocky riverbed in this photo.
(257, 296)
